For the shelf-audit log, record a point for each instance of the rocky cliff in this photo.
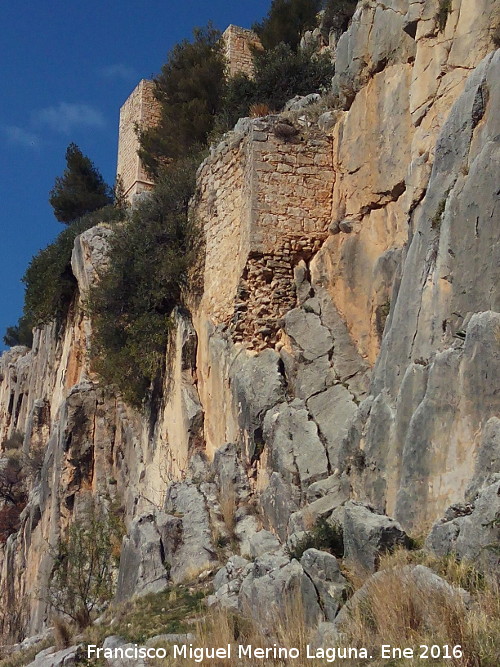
(341, 363)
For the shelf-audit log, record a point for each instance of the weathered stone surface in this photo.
(319, 509)
(227, 583)
(89, 257)
(196, 551)
(332, 410)
(335, 485)
(301, 102)
(295, 450)
(52, 658)
(411, 163)
(471, 533)
(143, 568)
(488, 457)
(278, 501)
(262, 543)
(306, 330)
(329, 582)
(367, 535)
(264, 592)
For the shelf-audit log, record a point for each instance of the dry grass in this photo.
(228, 506)
(399, 611)
(221, 628)
(258, 110)
(22, 658)
(63, 633)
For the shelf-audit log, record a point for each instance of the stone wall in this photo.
(265, 204)
(142, 109)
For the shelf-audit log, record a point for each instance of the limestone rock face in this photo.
(471, 531)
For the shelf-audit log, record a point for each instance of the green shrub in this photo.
(149, 260)
(337, 15)
(19, 334)
(438, 215)
(280, 74)
(82, 577)
(444, 10)
(324, 536)
(190, 89)
(286, 21)
(50, 284)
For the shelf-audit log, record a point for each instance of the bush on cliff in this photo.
(189, 88)
(336, 16)
(80, 190)
(19, 334)
(280, 74)
(82, 577)
(149, 260)
(50, 284)
(286, 21)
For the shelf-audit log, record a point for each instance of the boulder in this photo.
(429, 594)
(471, 532)
(195, 552)
(368, 534)
(52, 658)
(274, 587)
(330, 584)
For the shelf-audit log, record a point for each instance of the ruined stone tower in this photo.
(141, 109)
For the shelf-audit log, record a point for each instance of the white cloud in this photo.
(65, 117)
(17, 135)
(119, 71)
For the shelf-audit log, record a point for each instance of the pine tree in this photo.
(80, 190)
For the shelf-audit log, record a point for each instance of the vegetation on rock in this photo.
(80, 190)
(336, 16)
(149, 261)
(19, 334)
(324, 536)
(50, 284)
(280, 74)
(189, 87)
(82, 577)
(286, 21)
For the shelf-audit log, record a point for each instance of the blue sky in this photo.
(67, 67)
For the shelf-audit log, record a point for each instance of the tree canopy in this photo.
(80, 190)
(286, 21)
(190, 88)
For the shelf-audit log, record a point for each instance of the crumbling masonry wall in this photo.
(265, 204)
